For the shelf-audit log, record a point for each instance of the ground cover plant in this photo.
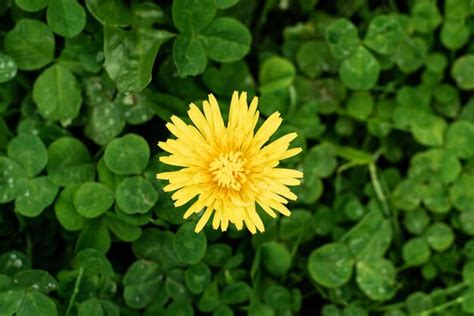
(379, 93)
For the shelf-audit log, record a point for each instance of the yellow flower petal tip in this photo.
(229, 169)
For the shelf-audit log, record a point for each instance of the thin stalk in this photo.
(77, 284)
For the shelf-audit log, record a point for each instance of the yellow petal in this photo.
(203, 220)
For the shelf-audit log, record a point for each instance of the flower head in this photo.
(226, 170)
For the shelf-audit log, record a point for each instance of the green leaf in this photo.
(228, 78)
(225, 4)
(35, 280)
(376, 278)
(455, 34)
(37, 304)
(197, 277)
(410, 54)
(328, 94)
(443, 163)
(307, 121)
(37, 194)
(440, 236)
(130, 55)
(66, 17)
(127, 155)
(276, 258)
(94, 262)
(370, 238)
(416, 221)
(96, 307)
(311, 188)
(342, 38)
(158, 246)
(32, 5)
(354, 310)
(462, 197)
(180, 308)
(436, 195)
(31, 44)
(330, 310)
(259, 309)
(217, 254)
(193, 15)
(436, 62)
(65, 211)
(359, 71)
(235, 293)
(276, 73)
(456, 9)
(418, 302)
(189, 246)
(322, 160)
(354, 155)
(136, 107)
(136, 195)
(462, 70)
(384, 34)
(10, 301)
(468, 273)
(123, 230)
(12, 179)
(223, 310)
(428, 129)
(94, 235)
(110, 12)
(104, 122)
(226, 40)
(106, 176)
(174, 285)
(425, 16)
(210, 299)
(69, 162)
(407, 194)
(360, 105)
(91, 307)
(307, 61)
(416, 252)
(140, 283)
(447, 101)
(92, 199)
(29, 152)
(8, 68)
(148, 14)
(467, 301)
(299, 223)
(57, 94)
(189, 55)
(278, 297)
(331, 264)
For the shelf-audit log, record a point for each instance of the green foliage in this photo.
(379, 93)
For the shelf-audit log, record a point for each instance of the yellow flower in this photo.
(227, 170)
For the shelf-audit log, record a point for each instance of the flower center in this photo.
(228, 170)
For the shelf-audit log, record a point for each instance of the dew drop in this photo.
(17, 263)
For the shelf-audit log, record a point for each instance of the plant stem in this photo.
(77, 284)
(441, 307)
(383, 201)
(378, 189)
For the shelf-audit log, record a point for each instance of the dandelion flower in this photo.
(228, 170)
